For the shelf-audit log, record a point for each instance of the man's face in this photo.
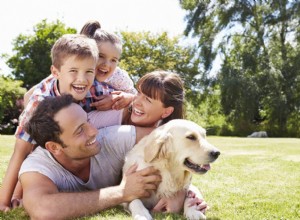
(78, 135)
(75, 76)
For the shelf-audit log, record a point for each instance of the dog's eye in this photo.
(191, 137)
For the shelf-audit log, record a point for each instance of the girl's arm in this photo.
(121, 99)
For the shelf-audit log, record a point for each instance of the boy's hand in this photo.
(15, 203)
(4, 208)
(121, 99)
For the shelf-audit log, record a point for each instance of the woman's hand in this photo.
(171, 205)
(199, 202)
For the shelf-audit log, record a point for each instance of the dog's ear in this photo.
(157, 148)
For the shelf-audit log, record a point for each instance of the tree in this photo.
(145, 52)
(11, 94)
(31, 61)
(259, 79)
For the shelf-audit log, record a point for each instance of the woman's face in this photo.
(146, 112)
(109, 56)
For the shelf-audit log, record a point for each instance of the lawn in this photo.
(252, 179)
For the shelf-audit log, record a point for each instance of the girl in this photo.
(107, 72)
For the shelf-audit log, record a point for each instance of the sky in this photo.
(20, 16)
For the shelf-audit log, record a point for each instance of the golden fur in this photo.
(177, 149)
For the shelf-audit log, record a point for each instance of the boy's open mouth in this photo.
(79, 89)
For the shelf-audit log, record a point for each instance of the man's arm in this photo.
(42, 200)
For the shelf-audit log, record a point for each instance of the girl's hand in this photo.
(121, 99)
(103, 102)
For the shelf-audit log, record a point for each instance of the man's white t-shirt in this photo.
(106, 166)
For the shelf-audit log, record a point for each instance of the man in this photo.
(76, 170)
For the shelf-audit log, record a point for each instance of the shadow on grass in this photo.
(113, 213)
(118, 213)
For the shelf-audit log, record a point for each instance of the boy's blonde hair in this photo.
(73, 44)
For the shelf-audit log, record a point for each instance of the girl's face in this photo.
(147, 112)
(109, 56)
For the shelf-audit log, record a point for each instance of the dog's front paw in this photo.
(144, 216)
(193, 214)
(138, 210)
(192, 211)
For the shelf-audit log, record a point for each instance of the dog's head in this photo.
(183, 143)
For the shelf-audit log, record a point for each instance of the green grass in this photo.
(253, 179)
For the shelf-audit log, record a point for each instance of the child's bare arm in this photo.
(27, 95)
(16, 200)
(21, 150)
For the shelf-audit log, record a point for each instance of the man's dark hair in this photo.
(42, 127)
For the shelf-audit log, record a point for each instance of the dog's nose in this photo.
(215, 154)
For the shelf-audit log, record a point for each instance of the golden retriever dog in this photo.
(177, 149)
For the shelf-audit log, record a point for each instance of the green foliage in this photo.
(145, 52)
(31, 61)
(208, 114)
(259, 42)
(11, 94)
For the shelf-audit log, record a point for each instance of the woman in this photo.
(159, 100)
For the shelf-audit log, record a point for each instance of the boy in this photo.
(74, 60)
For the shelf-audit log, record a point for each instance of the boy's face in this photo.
(109, 56)
(75, 76)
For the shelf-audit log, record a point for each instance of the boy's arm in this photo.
(38, 88)
(23, 146)
(16, 200)
(27, 95)
(21, 150)
(42, 199)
